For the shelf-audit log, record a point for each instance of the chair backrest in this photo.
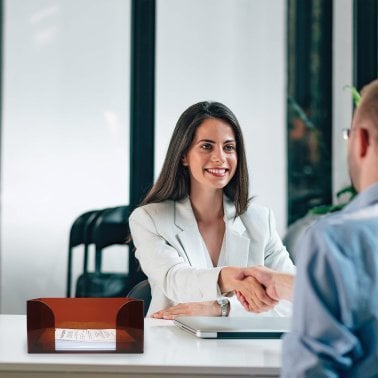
(142, 290)
(103, 228)
(80, 233)
(78, 228)
(294, 233)
(110, 228)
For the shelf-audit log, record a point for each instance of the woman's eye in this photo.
(229, 147)
(206, 146)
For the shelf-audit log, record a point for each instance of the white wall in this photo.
(342, 98)
(232, 51)
(64, 133)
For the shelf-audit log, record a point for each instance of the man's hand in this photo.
(232, 279)
(256, 299)
(278, 285)
(210, 308)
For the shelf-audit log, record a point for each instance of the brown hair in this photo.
(173, 182)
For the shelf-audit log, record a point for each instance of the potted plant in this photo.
(343, 196)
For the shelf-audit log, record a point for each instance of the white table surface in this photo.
(168, 351)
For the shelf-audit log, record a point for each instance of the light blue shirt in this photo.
(335, 315)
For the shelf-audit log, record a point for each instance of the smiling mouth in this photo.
(219, 172)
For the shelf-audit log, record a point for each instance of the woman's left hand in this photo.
(210, 308)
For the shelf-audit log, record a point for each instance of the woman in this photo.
(197, 225)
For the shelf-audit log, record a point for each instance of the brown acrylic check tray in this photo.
(125, 315)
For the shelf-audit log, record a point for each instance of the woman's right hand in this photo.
(278, 285)
(255, 295)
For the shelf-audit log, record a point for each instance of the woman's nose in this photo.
(218, 155)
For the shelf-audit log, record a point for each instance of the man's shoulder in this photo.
(359, 218)
(325, 228)
(339, 232)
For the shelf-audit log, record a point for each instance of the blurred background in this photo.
(91, 91)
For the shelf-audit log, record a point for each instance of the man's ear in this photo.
(363, 137)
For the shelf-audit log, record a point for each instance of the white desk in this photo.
(169, 351)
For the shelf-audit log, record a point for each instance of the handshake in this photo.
(257, 288)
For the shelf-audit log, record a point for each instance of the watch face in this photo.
(223, 301)
(224, 305)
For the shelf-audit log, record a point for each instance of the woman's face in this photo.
(212, 157)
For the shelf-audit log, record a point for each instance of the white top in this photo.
(168, 350)
(221, 259)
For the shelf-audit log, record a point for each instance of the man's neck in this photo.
(369, 174)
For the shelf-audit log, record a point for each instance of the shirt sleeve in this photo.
(322, 343)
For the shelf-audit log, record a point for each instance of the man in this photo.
(335, 314)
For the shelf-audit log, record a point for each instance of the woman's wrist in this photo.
(227, 279)
(215, 309)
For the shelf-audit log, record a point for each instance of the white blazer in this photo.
(173, 255)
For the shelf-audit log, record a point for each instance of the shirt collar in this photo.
(365, 198)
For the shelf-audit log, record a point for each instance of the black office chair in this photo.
(110, 228)
(142, 290)
(80, 233)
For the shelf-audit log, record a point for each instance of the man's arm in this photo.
(321, 342)
(278, 285)
(232, 279)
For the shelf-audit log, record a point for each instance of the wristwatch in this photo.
(224, 305)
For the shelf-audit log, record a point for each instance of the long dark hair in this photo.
(173, 182)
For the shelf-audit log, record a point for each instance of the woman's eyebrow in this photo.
(205, 140)
(211, 141)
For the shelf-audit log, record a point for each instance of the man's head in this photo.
(363, 140)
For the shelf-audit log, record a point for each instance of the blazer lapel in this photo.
(188, 233)
(237, 245)
(190, 239)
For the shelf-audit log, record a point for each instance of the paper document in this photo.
(85, 339)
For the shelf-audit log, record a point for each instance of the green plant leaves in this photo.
(355, 94)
